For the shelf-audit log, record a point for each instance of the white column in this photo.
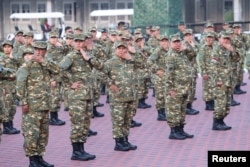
(237, 10)
(49, 9)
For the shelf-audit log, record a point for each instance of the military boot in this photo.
(102, 89)
(90, 156)
(135, 124)
(233, 102)
(107, 100)
(217, 125)
(153, 95)
(8, 130)
(91, 133)
(141, 104)
(190, 110)
(77, 154)
(161, 115)
(144, 103)
(243, 84)
(54, 120)
(34, 162)
(120, 144)
(183, 133)
(43, 163)
(209, 106)
(96, 113)
(11, 126)
(175, 134)
(238, 91)
(131, 146)
(224, 124)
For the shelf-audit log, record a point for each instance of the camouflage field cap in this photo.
(18, 32)
(70, 36)
(92, 29)
(53, 34)
(80, 37)
(40, 44)
(236, 25)
(175, 37)
(112, 32)
(119, 43)
(225, 23)
(187, 31)
(78, 28)
(209, 25)
(28, 50)
(210, 34)
(29, 34)
(7, 42)
(137, 31)
(225, 35)
(126, 36)
(138, 37)
(155, 28)
(163, 37)
(119, 33)
(148, 27)
(88, 35)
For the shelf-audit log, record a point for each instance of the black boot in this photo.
(217, 125)
(131, 146)
(92, 133)
(90, 156)
(161, 115)
(107, 100)
(100, 104)
(77, 154)
(145, 104)
(224, 124)
(102, 89)
(96, 113)
(34, 162)
(238, 91)
(135, 124)
(183, 133)
(153, 92)
(11, 126)
(175, 134)
(8, 130)
(209, 106)
(66, 109)
(43, 163)
(190, 110)
(120, 144)
(54, 119)
(233, 102)
(141, 105)
(243, 84)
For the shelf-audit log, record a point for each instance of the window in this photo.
(94, 6)
(20, 8)
(130, 5)
(104, 6)
(121, 5)
(15, 8)
(41, 8)
(68, 11)
(25, 8)
(228, 10)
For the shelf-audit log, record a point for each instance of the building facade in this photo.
(77, 12)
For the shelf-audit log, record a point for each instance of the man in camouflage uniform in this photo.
(55, 52)
(181, 28)
(153, 41)
(5, 73)
(157, 64)
(33, 82)
(76, 70)
(18, 41)
(222, 57)
(8, 89)
(191, 52)
(207, 72)
(179, 77)
(121, 82)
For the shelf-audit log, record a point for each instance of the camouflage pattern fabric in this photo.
(179, 78)
(222, 63)
(19, 55)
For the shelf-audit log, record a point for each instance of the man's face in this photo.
(164, 44)
(53, 40)
(224, 40)
(120, 51)
(7, 49)
(112, 38)
(28, 56)
(19, 37)
(176, 45)
(28, 40)
(40, 52)
(78, 44)
(188, 37)
(237, 30)
(68, 31)
(181, 27)
(209, 41)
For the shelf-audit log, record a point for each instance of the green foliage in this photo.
(229, 15)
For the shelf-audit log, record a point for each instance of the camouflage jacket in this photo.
(205, 57)
(179, 73)
(222, 60)
(19, 55)
(33, 84)
(157, 59)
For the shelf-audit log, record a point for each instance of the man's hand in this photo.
(127, 56)
(131, 49)
(25, 109)
(114, 88)
(205, 77)
(160, 73)
(53, 84)
(172, 93)
(76, 85)
(84, 55)
(219, 84)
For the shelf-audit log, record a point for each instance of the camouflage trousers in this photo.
(191, 95)
(121, 116)
(35, 127)
(1, 112)
(159, 92)
(207, 89)
(8, 102)
(175, 108)
(142, 87)
(56, 97)
(96, 92)
(65, 91)
(240, 72)
(222, 101)
(80, 114)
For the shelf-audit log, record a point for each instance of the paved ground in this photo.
(154, 147)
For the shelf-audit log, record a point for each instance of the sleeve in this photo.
(170, 72)
(201, 58)
(64, 66)
(21, 86)
(152, 61)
